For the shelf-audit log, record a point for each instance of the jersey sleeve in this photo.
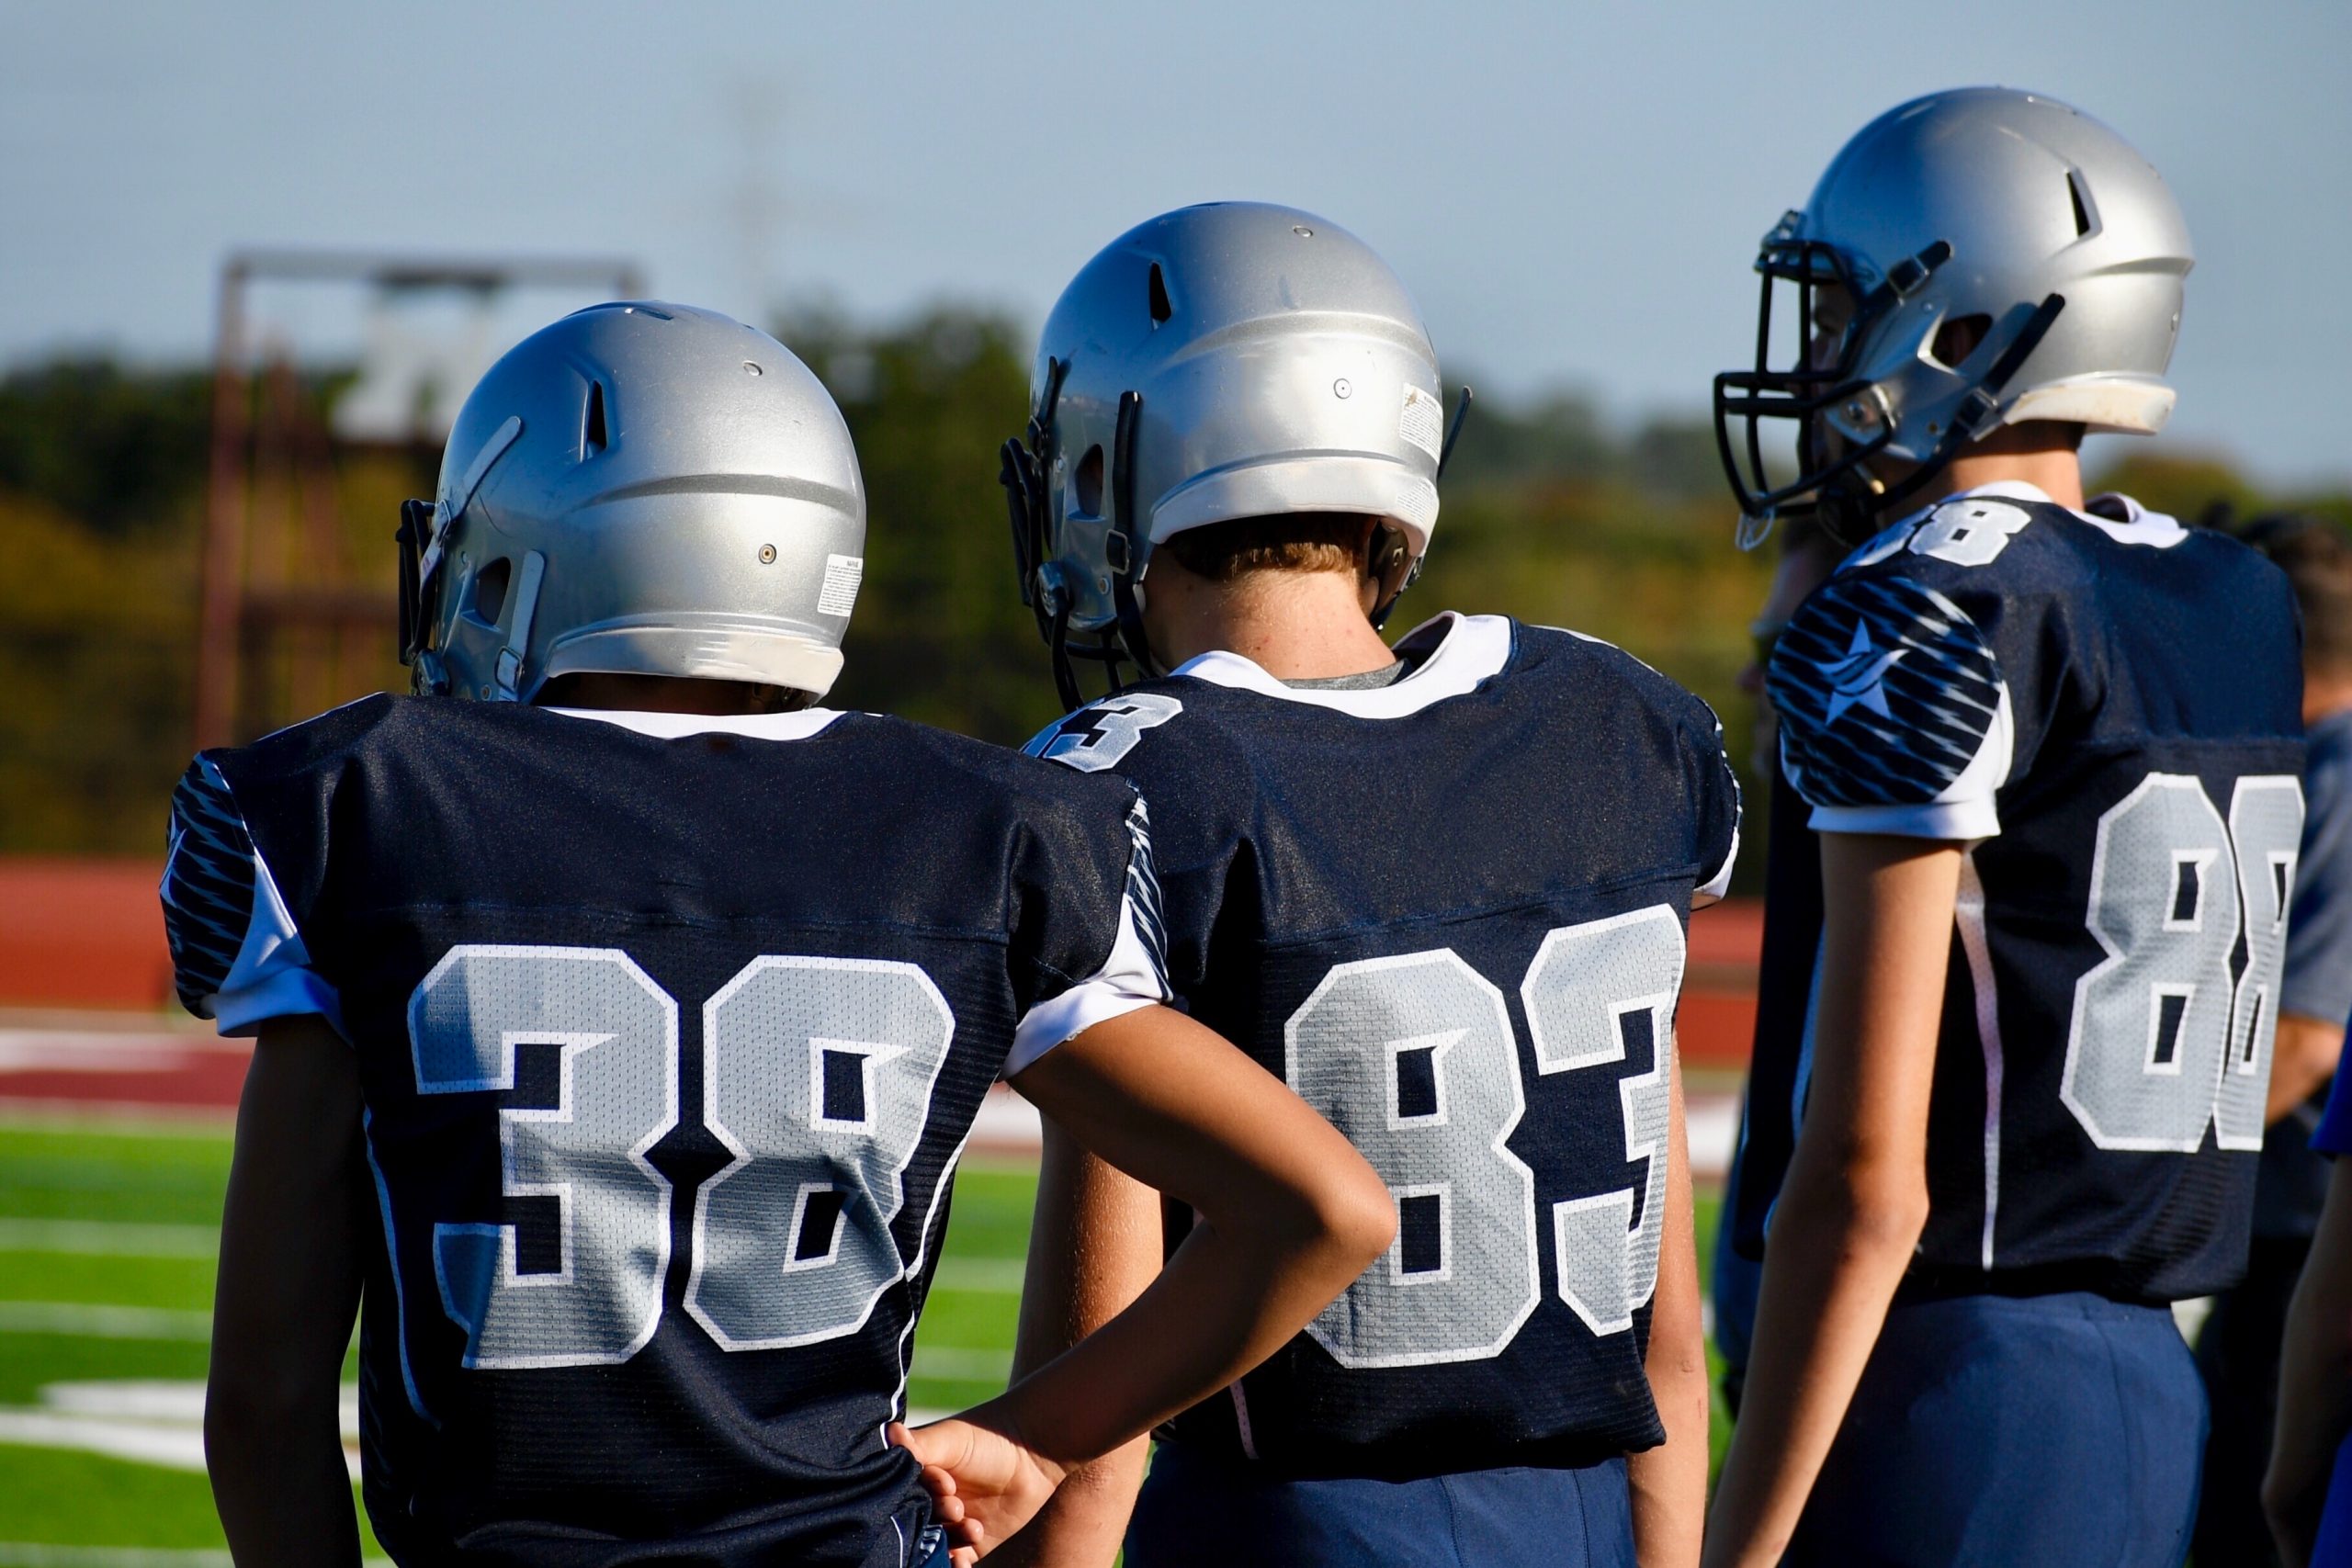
(237, 957)
(1715, 791)
(2334, 1134)
(1090, 970)
(1894, 712)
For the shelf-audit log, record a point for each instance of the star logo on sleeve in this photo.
(1860, 678)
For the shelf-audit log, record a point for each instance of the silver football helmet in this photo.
(2010, 207)
(639, 488)
(1215, 363)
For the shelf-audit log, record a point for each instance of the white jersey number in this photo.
(817, 1074)
(2162, 1043)
(1415, 1059)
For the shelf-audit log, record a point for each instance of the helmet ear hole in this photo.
(488, 595)
(1088, 482)
(1161, 309)
(1956, 339)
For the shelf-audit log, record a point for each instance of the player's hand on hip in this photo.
(984, 1484)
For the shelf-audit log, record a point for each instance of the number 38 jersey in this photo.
(2106, 706)
(1450, 913)
(669, 1031)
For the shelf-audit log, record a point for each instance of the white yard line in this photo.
(146, 1422)
(174, 1448)
(963, 1365)
(103, 1238)
(29, 1554)
(995, 1276)
(1712, 1122)
(82, 1320)
(90, 1051)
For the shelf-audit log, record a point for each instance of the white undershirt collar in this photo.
(1463, 651)
(797, 725)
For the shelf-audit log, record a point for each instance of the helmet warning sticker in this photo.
(1422, 423)
(840, 590)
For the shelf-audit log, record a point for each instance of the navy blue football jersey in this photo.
(2106, 707)
(670, 1031)
(1450, 913)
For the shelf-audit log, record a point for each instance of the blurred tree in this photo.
(940, 634)
(112, 446)
(1552, 514)
(95, 646)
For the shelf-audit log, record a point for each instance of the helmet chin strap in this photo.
(1122, 554)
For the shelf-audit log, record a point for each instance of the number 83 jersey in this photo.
(2105, 708)
(1450, 913)
(669, 1031)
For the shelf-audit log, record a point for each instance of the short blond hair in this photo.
(1302, 541)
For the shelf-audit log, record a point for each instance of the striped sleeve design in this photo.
(1143, 891)
(1886, 694)
(208, 888)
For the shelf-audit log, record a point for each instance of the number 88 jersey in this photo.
(669, 1031)
(2105, 707)
(1450, 913)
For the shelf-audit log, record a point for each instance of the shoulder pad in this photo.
(208, 888)
(1886, 690)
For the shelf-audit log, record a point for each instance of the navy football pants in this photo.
(2060, 1430)
(1202, 1509)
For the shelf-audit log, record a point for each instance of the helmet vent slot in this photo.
(1088, 482)
(593, 438)
(2081, 198)
(1161, 307)
(489, 591)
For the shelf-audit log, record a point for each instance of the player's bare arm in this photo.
(283, 1309)
(2314, 1380)
(1669, 1483)
(1093, 1248)
(2302, 1061)
(1289, 1215)
(1856, 1197)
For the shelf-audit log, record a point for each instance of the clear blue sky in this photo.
(1573, 192)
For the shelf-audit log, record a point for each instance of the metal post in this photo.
(225, 523)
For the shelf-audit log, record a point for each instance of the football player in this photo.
(2052, 747)
(1441, 889)
(619, 1028)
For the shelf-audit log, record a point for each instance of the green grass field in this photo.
(107, 1251)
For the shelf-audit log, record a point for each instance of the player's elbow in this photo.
(243, 1418)
(1877, 1205)
(1343, 1219)
(252, 1404)
(1885, 1214)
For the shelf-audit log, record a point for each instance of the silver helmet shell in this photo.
(1981, 201)
(1270, 363)
(639, 488)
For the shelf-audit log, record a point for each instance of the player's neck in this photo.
(2325, 695)
(2052, 468)
(1295, 625)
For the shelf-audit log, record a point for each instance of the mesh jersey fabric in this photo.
(1450, 912)
(668, 1044)
(2105, 707)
